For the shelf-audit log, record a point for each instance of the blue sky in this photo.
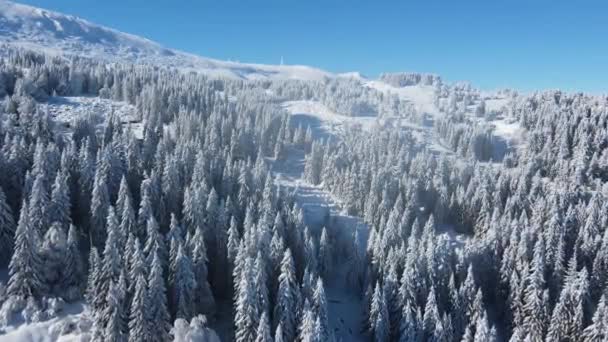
(526, 45)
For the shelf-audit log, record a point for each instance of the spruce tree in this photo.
(263, 332)
(286, 302)
(157, 312)
(598, 330)
(38, 206)
(138, 323)
(24, 269)
(319, 305)
(7, 230)
(184, 286)
(59, 208)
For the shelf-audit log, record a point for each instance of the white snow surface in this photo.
(56, 33)
(317, 115)
(65, 109)
(50, 330)
(421, 96)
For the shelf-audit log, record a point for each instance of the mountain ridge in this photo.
(54, 32)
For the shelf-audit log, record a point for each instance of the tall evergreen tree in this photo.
(24, 269)
(7, 230)
(139, 328)
(157, 312)
(287, 298)
(184, 286)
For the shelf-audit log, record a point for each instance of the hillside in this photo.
(56, 33)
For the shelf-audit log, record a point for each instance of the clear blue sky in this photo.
(527, 44)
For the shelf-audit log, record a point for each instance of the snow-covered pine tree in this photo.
(263, 332)
(155, 243)
(382, 323)
(205, 302)
(38, 206)
(598, 330)
(325, 255)
(246, 306)
(53, 254)
(287, 298)
(306, 330)
(319, 306)
(139, 328)
(100, 202)
(184, 285)
(60, 206)
(7, 230)
(157, 312)
(278, 334)
(113, 316)
(25, 268)
(72, 282)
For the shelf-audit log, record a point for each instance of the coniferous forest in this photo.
(178, 224)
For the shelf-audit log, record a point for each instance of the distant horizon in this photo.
(524, 46)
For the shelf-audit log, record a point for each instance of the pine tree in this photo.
(138, 324)
(381, 326)
(145, 212)
(325, 255)
(431, 314)
(204, 296)
(483, 331)
(113, 314)
(136, 265)
(38, 206)
(278, 334)
(111, 266)
(7, 230)
(409, 330)
(155, 242)
(53, 253)
(598, 330)
(128, 224)
(59, 209)
(100, 202)
(263, 332)
(25, 266)
(246, 306)
(261, 283)
(157, 312)
(74, 270)
(375, 305)
(94, 276)
(320, 309)
(124, 196)
(184, 285)
(287, 297)
(306, 330)
(567, 317)
(535, 296)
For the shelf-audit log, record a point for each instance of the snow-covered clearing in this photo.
(317, 115)
(421, 96)
(509, 130)
(65, 110)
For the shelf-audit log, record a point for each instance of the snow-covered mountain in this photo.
(53, 32)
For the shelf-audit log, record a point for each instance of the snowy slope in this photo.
(421, 96)
(56, 33)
